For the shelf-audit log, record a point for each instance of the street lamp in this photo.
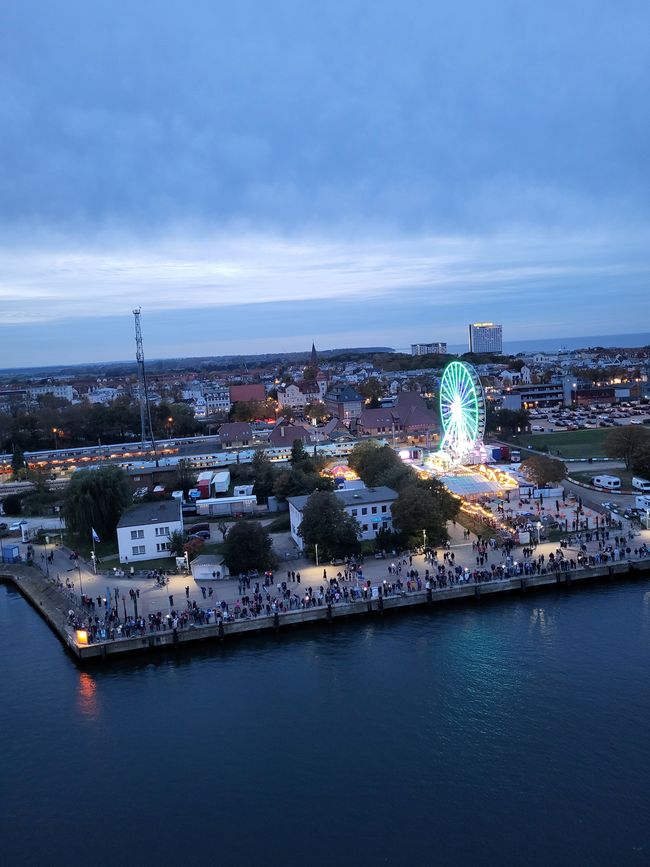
(170, 422)
(55, 431)
(424, 538)
(78, 568)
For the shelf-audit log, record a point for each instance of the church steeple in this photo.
(313, 361)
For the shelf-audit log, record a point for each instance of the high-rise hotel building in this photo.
(485, 337)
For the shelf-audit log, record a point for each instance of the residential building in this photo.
(558, 393)
(371, 507)
(66, 392)
(429, 348)
(235, 433)
(485, 337)
(344, 402)
(284, 434)
(298, 395)
(217, 400)
(144, 531)
(407, 417)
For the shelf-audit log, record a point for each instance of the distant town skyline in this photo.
(263, 175)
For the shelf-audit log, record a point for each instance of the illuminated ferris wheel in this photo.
(462, 410)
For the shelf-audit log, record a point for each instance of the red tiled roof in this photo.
(253, 391)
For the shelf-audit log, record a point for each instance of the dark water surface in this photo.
(509, 732)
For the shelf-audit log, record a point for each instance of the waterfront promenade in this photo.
(179, 613)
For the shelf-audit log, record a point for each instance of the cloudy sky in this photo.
(259, 174)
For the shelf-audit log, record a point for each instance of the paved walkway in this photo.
(153, 599)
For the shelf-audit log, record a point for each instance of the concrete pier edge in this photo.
(53, 605)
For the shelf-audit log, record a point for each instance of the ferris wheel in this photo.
(462, 409)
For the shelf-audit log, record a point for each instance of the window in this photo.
(163, 546)
(137, 534)
(383, 509)
(374, 510)
(364, 527)
(364, 511)
(138, 549)
(354, 512)
(162, 531)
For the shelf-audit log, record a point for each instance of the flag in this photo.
(95, 536)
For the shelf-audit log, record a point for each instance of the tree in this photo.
(641, 462)
(12, 505)
(177, 543)
(248, 547)
(264, 475)
(371, 390)
(326, 523)
(193, 548)
(298, 453)
(506, 421)
(419, 509)
(249, 410)
(18, 463)
(95, 499)
(397, 477)
(542, 470)
(372, 461)
(624, 443)
(300, 480)
(185, 478)
(316, 411)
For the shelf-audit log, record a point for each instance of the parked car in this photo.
(202, 534)
(17, 527)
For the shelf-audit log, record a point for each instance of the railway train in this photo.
(133, 456)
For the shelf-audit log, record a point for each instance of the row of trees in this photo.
(630, 444)
(56, 422)
(302, 477)
(421, 511)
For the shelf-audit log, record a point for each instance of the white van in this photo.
(643, 503)
(640, 484)
(610, 483)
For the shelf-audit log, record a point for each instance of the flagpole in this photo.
(94, 554)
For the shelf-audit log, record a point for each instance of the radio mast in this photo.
(146, 427)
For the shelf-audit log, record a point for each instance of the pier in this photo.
(55, 604)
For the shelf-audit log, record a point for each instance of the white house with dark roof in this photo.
(371, 507)
(143, 532)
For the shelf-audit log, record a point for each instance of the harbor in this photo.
(57, 605)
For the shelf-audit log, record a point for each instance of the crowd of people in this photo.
(263, 595)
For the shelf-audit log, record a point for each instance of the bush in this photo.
(281, 524)
(13, 505)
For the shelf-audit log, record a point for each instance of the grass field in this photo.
(624, 475)
(567, 444)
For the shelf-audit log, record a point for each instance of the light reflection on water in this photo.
(456, 735)
(88, 703)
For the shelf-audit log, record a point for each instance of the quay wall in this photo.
(53, 605)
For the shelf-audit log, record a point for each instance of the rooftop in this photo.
(354, 497)
(163, 512)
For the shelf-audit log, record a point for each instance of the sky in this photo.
(259, 175)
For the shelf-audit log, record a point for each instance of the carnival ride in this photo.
(462, 414)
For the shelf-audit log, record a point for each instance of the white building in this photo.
(103, 394)
(486, 337)
(300, 394)
(371, 507)
(436, 348)
(144, 531)
(66, 392)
